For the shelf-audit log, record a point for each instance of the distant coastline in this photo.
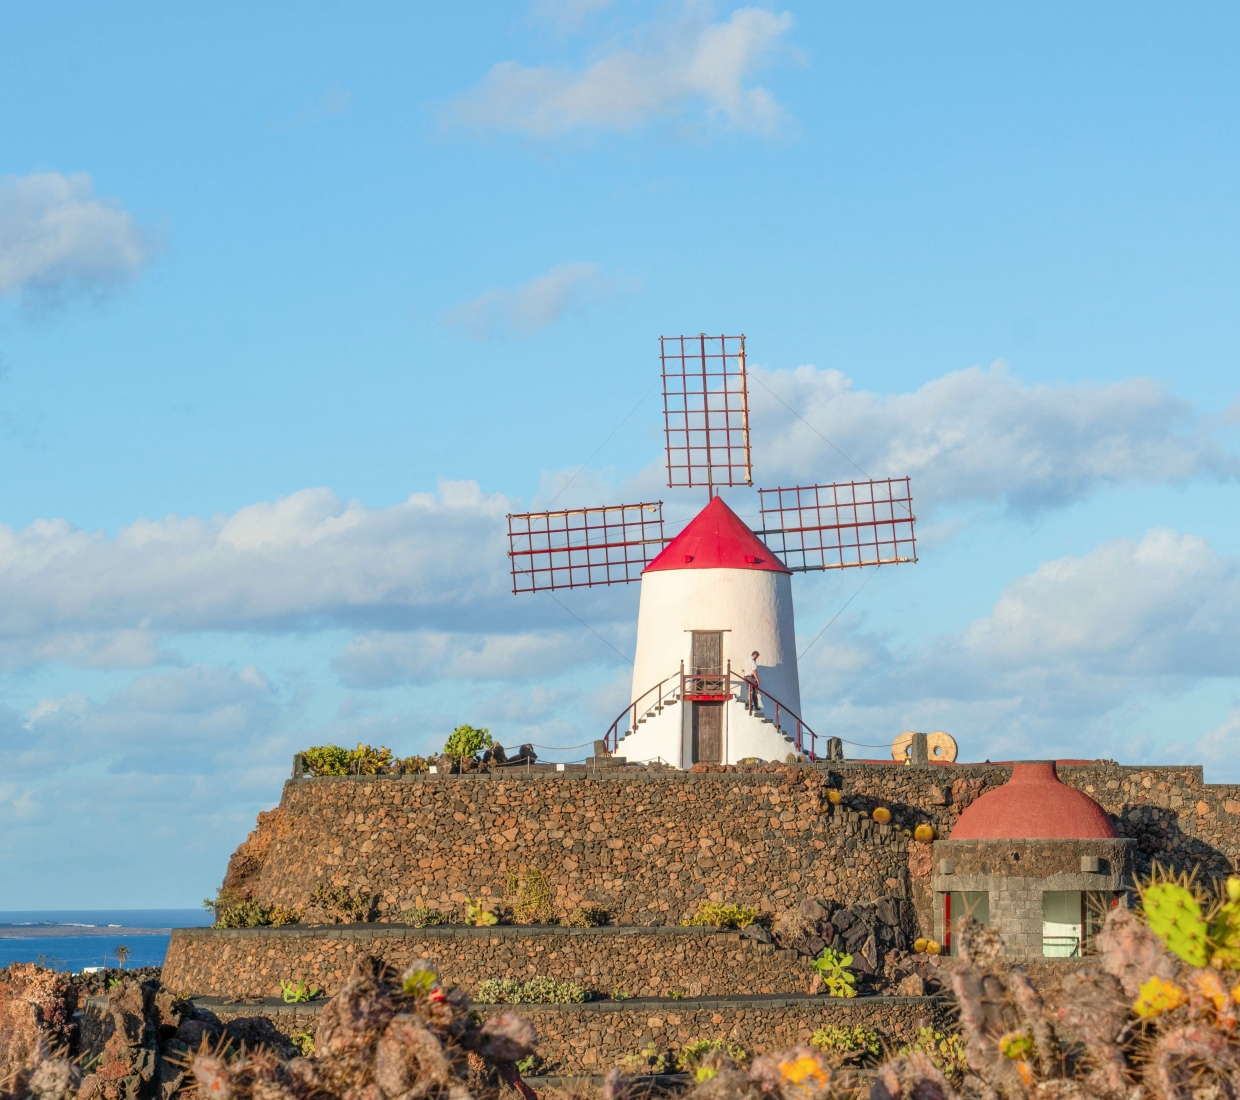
(43, 931)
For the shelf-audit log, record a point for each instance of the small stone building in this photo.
(1035, 859)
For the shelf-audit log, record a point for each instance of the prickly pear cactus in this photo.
(1225, 937)
(1174, 915)
(1225, 928)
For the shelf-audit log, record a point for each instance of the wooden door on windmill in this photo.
(706, 663)
(708, 733)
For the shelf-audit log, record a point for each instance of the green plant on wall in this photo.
(715, 915)
(350, 908)
(467, 741)
(647, 1060)
(297, 992)
(363, 760)
(692, 1054)
(585, 915)
(848, 1044)
(418, 916)
(833, 966)
(529, 896)
(234, 910)
(946, 1050)
(536, 991)
(476, 915)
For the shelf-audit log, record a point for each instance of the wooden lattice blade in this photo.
(582, 547)
(839, 526)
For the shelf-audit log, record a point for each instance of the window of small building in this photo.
(976, 903)
(1063, 924)
(1070, 920)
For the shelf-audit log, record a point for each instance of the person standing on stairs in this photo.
(751, 678)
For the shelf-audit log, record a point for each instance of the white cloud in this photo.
(143, 792)
(538, 303)
(981, 435)
(57, 236)
(672, 68)
(309, 560)
(380, 659)
(1058, 665)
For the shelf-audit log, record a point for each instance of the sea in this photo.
(70, 939)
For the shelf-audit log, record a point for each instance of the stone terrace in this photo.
(640, 961)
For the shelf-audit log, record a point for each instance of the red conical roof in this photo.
(717, 538)
(1033, 805)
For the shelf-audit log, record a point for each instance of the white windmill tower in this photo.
(717, 591)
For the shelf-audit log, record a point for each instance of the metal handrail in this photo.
(710, 680)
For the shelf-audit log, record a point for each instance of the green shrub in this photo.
(467, 741)
(411, 765)
(282, 914)
(648, 1060)
(326, 760)
(296, 992)
(947, 1051)
(586, 915)
(833, 966)
(363, 760)
(722, 916)
(338, 901)
(304, 1042)
(692, 1054)
(420, 917)
(850, 1042)
(536, 991)
(478, 915)
(529, 896)
(234, 910)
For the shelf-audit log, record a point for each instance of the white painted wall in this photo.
(752, 606)
(753, 609)
(668, 736)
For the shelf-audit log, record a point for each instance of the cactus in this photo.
(924, 833)
(1174, 916)
(1225, 931)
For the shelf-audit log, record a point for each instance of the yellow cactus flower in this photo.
(1210, 986)
(1158, 995)
(805, 1069)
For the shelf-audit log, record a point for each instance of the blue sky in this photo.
(296, 303)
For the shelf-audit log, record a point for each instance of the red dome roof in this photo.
(717, 538)
(1033, 805)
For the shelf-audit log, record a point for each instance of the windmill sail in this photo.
(851, 523)
(581, 547)
(705, 411)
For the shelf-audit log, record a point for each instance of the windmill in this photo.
(716, 591)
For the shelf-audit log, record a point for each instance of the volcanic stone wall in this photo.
(587, 1039)
(647, 846)
(640, 961)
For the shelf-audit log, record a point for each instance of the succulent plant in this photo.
(1174, 916)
